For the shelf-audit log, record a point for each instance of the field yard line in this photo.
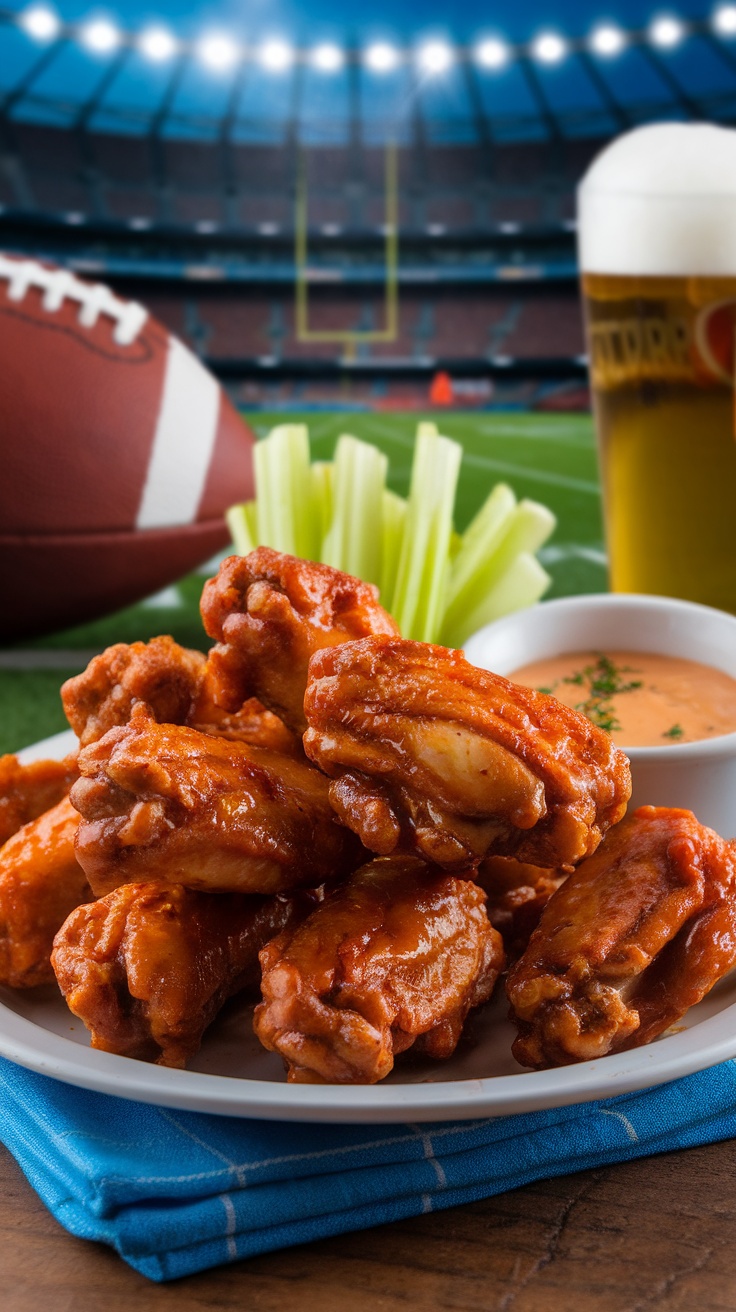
(48, 658)
(536, 475)
(569, 550)
(538, 435)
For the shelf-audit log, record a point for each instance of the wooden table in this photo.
(642, 1237)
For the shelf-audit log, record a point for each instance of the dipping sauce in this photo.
(642, 699)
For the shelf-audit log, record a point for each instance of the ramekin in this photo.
(700, 776)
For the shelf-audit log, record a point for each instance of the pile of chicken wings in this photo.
(370, 830)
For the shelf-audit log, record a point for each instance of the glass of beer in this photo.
(657, 233)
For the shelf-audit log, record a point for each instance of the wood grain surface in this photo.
(642, 1237)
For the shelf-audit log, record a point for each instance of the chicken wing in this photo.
(162, 675)
(148, 967)
(40, 883)
(430, 753)
(633, 938)
(175, 685)
(517, 895)
(269, 612)
(396, 955)
(166, 802)
(26, 791)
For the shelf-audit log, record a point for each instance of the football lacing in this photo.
(58, 286)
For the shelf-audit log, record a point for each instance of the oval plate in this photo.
(233, 1076)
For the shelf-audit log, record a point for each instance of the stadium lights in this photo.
(327, 58)
(101, 35)
(217, 52)
(666, 32)
(435, 57)
(157, 43)
(724, 20)
(276, 56)
(40, 23)
(492, 53)
(607, 40)
(381, 57)
(549, 48)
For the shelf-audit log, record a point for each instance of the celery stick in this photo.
(240, 529)
(283, 491)
(524, 530)
(419, 595)
(480, 539)
(322, 498)
(354, 541)
(394, 519)
(523, 583)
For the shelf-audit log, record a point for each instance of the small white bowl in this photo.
(700, 776)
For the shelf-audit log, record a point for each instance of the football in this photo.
(120, 452)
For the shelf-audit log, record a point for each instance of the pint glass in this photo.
(658, 268)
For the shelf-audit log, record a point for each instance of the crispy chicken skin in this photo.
(269, 612)
(148, 967)
(26, 791)
(166, 802)
(396, 955)
(634, 937)
(430, 753)
(164, 676)
(517, 895)
(175, 685)
(40, 883)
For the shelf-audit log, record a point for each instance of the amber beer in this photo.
(658, 271)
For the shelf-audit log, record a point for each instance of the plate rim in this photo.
(36, 1048)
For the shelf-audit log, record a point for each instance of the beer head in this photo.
(659, 201)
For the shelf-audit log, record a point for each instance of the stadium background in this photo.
(208, 168)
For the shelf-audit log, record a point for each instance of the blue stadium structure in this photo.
(173, 168)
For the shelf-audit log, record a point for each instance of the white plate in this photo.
(234, 1076)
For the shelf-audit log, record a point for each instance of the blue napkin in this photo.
(177, 1192)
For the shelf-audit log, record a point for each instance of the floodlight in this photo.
(217, 51)
(157, 43)
(666, 32)
(724, 20)
(492, 53)
(40, 23)
(100, 35)
(381, 57)
(549, 48)
(607, 40)
(276, 55)
(269, 229)
(435, 57)
(327, 58)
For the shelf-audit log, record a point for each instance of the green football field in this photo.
(548, 457)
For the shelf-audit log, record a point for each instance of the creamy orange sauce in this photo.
(641, 698)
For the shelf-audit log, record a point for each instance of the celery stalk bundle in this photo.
(440, 586)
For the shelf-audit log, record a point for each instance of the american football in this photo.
(120, 452)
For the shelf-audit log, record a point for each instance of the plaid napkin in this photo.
(177, 1192)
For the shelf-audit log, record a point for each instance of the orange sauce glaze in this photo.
(678, 701)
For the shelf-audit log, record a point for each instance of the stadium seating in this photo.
(547, 327)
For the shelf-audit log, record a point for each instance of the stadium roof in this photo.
(205, 76)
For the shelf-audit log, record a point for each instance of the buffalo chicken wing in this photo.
(397, 955)
(269, 613)
(166, 802)
(430, 753)
(40, 883)
(26, 791)
(633, 938)
(148, 967)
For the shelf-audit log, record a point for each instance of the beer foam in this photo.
(661, 200)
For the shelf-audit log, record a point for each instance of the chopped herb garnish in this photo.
(675, 732)
(548, 690)
(604, 681)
